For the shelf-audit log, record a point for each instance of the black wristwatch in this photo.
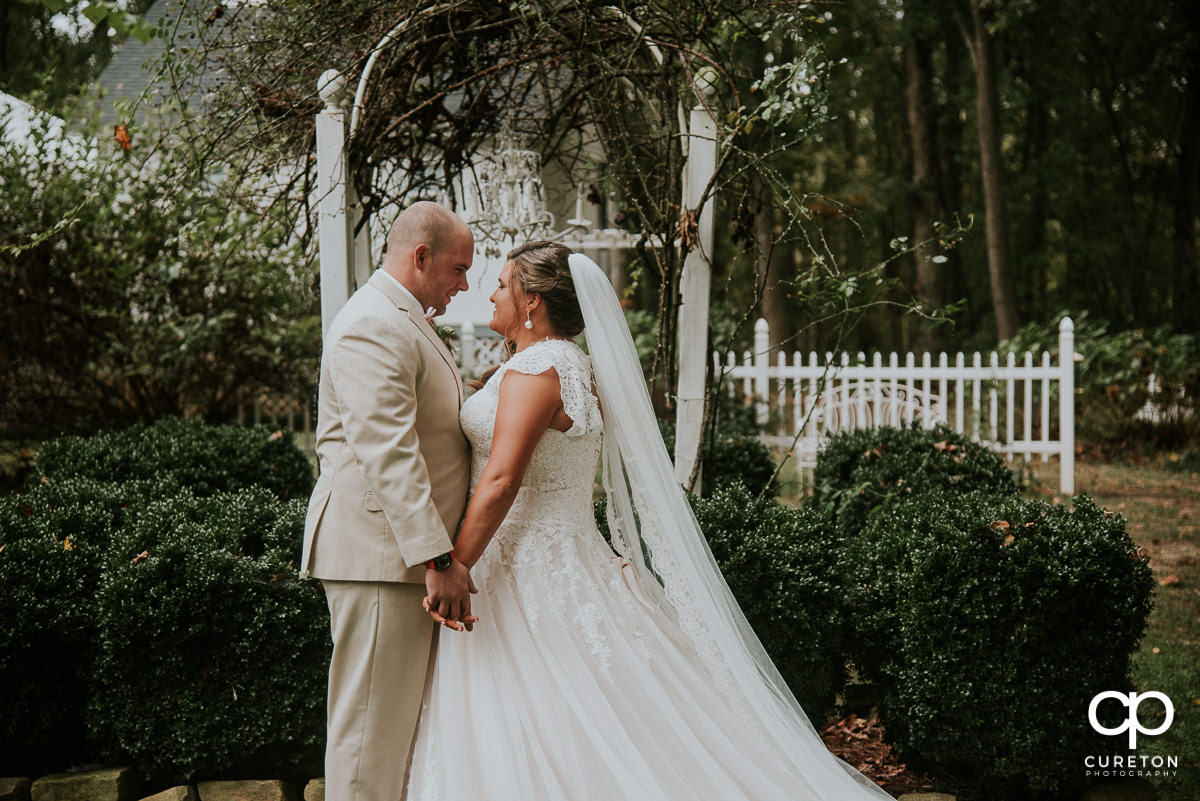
(440, 562)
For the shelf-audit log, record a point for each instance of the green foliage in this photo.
(135, 288)
(51, 49)
(782, 569)
(1115, 401)
(52, 539)
(214, 653)
(989, 623)
(1093, 224)
(859, 471)
(111, 649)
(731, 457)
(738, 459)
(204, 458)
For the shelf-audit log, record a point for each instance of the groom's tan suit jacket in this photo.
(394, 464)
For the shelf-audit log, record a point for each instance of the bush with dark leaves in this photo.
(989, 623)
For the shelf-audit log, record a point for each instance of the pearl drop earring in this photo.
(528, 322)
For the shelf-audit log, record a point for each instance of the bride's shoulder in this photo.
(561, 355)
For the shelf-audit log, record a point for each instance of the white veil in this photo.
(653, 527)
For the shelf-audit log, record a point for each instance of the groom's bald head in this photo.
(428, 251)
(424, 223)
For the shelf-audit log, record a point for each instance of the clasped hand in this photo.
(448, 598)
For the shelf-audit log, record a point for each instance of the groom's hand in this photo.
(449, 596)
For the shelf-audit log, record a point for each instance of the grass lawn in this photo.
(1162, 506)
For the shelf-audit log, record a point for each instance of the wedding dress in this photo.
(593, 675)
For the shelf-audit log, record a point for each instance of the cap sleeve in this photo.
(574, 371)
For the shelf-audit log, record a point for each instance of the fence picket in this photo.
(1027, 414)
(1009, 402)
(1046, 406)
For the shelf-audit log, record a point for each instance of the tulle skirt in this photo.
(570, 689)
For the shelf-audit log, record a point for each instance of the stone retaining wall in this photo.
(120, 784)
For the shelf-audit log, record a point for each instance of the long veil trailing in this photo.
(653, 527)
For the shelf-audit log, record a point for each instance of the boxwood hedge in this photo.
(859, 471)
(989, 623)
(213, 654)
(205, 458)
(52, 541)
(96, 637)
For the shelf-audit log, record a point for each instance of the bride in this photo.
(589, 675)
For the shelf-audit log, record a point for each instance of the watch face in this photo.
(442, 562)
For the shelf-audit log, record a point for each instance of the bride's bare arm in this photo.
(529, 404)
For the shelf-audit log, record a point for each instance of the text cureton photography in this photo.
(1129, 765)
(1124, 765)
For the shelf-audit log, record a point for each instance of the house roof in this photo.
(133, 69)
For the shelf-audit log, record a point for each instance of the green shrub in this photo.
(139, 288)
(729, 458)
(205, 458)
(53, 539)
(781, 568)
(988, 624)
(741, 459)
(58, 536)
(860, 470)
(213, 653)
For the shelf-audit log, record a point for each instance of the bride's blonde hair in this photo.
(542, 268)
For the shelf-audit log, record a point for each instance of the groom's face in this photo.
(446, 274)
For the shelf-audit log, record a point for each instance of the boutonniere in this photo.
(449, 336)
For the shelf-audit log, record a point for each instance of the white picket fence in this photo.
(1003, 402)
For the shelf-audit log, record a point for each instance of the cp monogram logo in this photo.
(1132, 725)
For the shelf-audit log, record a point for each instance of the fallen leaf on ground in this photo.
(859, 741)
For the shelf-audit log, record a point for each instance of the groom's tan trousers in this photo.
(382, 638)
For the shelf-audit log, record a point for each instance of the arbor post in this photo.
(335, 229)
(694, 288)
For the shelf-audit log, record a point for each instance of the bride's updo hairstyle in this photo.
(542, 268)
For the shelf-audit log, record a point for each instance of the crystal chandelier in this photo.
(507, 203)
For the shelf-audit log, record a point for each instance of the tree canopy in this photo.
(862, 134)
(989, 163)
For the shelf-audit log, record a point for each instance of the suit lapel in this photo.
(417, 316)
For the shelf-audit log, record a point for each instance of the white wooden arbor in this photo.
(345, 257)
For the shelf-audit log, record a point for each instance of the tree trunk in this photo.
(774, 297)
(950, 172)
(928, 289)
(1188, 182)
(991, 167)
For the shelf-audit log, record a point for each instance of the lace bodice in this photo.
(558, 482)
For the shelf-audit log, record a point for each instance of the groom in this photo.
(394, 470)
